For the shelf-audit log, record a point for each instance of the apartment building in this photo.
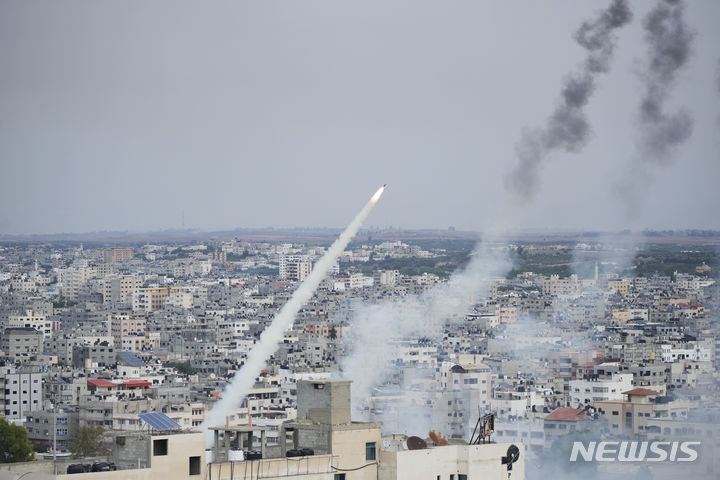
(631, 415)
(115, 255)
(21, 390)
(21, 343)
(593, 388)
(294, 267)
(120, 288)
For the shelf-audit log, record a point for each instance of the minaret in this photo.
(597, 275)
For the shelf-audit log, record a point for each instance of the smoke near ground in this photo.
(567, 128)
(610, 252)
(669, 42)
(374, 327)
(243, 381)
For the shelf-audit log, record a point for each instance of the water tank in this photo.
(78, 468)
(209, 456)
(254, 455)
(236, 455)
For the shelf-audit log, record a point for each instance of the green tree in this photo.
(332, 333)
(88, 442)
(14, 443)
(185, 367)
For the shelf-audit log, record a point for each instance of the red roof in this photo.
(640, 391)
(566, 414)
(137, 383)
(100, 382)
(216, 395)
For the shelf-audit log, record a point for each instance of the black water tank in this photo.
(306, 452)
(253, 455)
(293, 453)
(78, 468)
(103, 467)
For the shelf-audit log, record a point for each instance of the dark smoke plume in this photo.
(568, 128)
(669, 42)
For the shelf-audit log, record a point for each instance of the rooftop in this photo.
(565, 414)
(640, 391)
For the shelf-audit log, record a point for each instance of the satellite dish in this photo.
(512, 455)
(416, 443)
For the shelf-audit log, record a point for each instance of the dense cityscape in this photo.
(94, 336)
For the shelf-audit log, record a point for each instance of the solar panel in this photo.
(159, 421)
(130, 359)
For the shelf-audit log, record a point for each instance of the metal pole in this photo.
(54, 440)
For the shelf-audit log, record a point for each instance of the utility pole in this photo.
(54, 439)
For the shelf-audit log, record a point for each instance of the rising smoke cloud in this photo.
(669, 42)
(243, 381)
(411, 317)
(567, 128)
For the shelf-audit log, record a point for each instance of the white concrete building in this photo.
(22, 392)
(31, 319)
(458, 462)
(587, 391)
(294, 267)
(696, 354)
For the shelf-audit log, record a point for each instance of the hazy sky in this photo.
(121, 115)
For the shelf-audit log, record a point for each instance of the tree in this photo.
(14, 443)
(332, 333)
(185, 367)
(88, 442)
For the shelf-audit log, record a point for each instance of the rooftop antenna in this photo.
(484, 428)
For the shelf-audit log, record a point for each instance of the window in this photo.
(339, 476)
(160, 447)
(194, 463)
(370, 451)
(462, 476)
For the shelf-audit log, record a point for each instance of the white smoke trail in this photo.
(243, 381)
